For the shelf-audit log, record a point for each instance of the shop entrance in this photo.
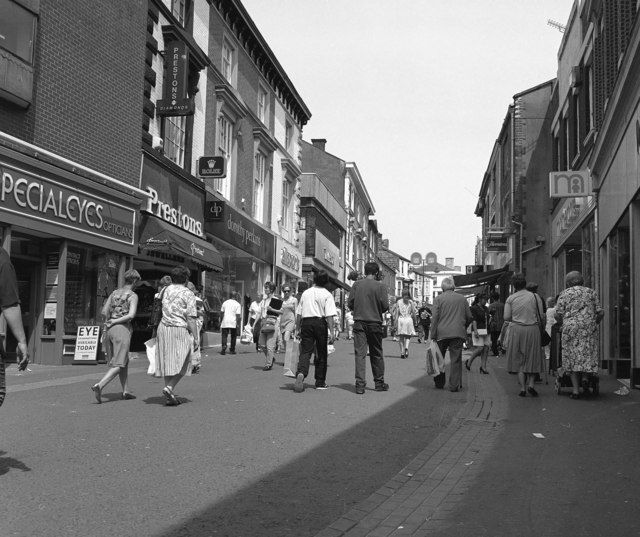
(27, 275)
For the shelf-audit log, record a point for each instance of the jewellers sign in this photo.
(175, 101)
(288, 258)
(497, 243)
(43, 199)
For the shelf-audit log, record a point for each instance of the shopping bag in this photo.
(291, 356)
(151, 346)
(435, 360)
(247, 335)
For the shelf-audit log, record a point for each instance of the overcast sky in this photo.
(414, 92)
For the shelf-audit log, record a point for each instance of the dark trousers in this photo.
(454, 345)
(234, 336)
(368, 335)
(313, 338)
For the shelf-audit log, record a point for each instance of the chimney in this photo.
(448, 262)
(320, 143)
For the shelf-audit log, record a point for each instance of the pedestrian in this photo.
(496, 321)
(392, 318)
(424, 320)
(254, 313)
(118, 312)
(337, 322)
(480, 338)
(268, 318)
(405, 314)
(525, 356)
(231, 311)
(288, 317)
(314, 324)
(369, 300)
(451, 316)
(177, 334)
(196, 356)
(12, 311)
(549, 328)
(578, 309)
(348, 317)
(165, 281)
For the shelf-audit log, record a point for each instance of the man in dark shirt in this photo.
(10, 306)
(368, 300)
(424, 318)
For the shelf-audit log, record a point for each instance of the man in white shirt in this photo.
(231, 312)
(314, 324)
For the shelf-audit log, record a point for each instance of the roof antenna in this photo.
(561, 27)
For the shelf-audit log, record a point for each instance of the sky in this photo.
(415, 93)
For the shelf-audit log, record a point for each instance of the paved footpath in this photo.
(491, 473)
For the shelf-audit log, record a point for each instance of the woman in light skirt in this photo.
(177, 333)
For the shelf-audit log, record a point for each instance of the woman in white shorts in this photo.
(480, 336)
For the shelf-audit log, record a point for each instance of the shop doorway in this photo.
(619, 314)
(27, 272)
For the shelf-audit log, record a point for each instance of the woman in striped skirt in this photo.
(177, 333)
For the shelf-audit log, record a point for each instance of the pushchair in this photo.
(590, 384)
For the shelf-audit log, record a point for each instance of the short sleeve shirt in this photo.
(316, 302)
(230, 308)
(178, 305)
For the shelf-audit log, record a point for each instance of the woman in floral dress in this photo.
(578, 309)
(406, 311)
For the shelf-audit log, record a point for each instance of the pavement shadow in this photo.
(6, 463)
(318, 487)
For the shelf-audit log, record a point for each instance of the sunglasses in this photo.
(287, 290)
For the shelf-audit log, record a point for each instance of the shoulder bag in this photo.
(545, 338)
(156, 311)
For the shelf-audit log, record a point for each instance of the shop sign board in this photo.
(175, 101)
(570, 184)
(497, 243)
(87, 339)
(43, 199)
(288, 258)
(212, 167)
(327, 253)
(225, 222)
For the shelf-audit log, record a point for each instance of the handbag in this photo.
(482, 331)
(268, 325)
(545, 338)
(156, 311)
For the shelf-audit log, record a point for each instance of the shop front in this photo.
(247, 250)
(70, 233)
(288, 264)
(171, 233)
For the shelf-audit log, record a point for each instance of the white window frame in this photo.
(228, 62)
(259, 180)
(286, 203)
(175, 137)
(179, 10)
(263, 104)
(224, 131)
(288, 136)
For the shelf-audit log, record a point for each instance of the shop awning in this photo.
(158, 235)
(480, 279)
(338, 283)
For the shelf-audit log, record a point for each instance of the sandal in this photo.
(170, 398)
(97, 391)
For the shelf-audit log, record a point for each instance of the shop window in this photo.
(91, 277)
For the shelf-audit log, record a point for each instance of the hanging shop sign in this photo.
(225, 222)
(497, 243)
(175, 101)
(45, 200)
(212, 167)
(326, 253)
(288, 258)
(570, 184)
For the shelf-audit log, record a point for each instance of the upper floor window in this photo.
(225, 148)
(288, 136)
(179, 10)
(175, 137)
(229, 62)
(588, 99)
(263, 105)
(286, 200)
(259, 180)
(17, 30)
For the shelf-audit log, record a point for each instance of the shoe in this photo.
(268, 367)
(574, 396)
(532, 392)
(454, 389)
(170, 397)
(232, 352)
(324, 386)
(402, 355)
(223, 351)
(419, 340)
(384, 387)
(97, 391)
(195, 370)
(406, 353)
(298, 385)
(484, 371)
(467, 365)
(127, 396)
(359, 390)
(522, 393)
